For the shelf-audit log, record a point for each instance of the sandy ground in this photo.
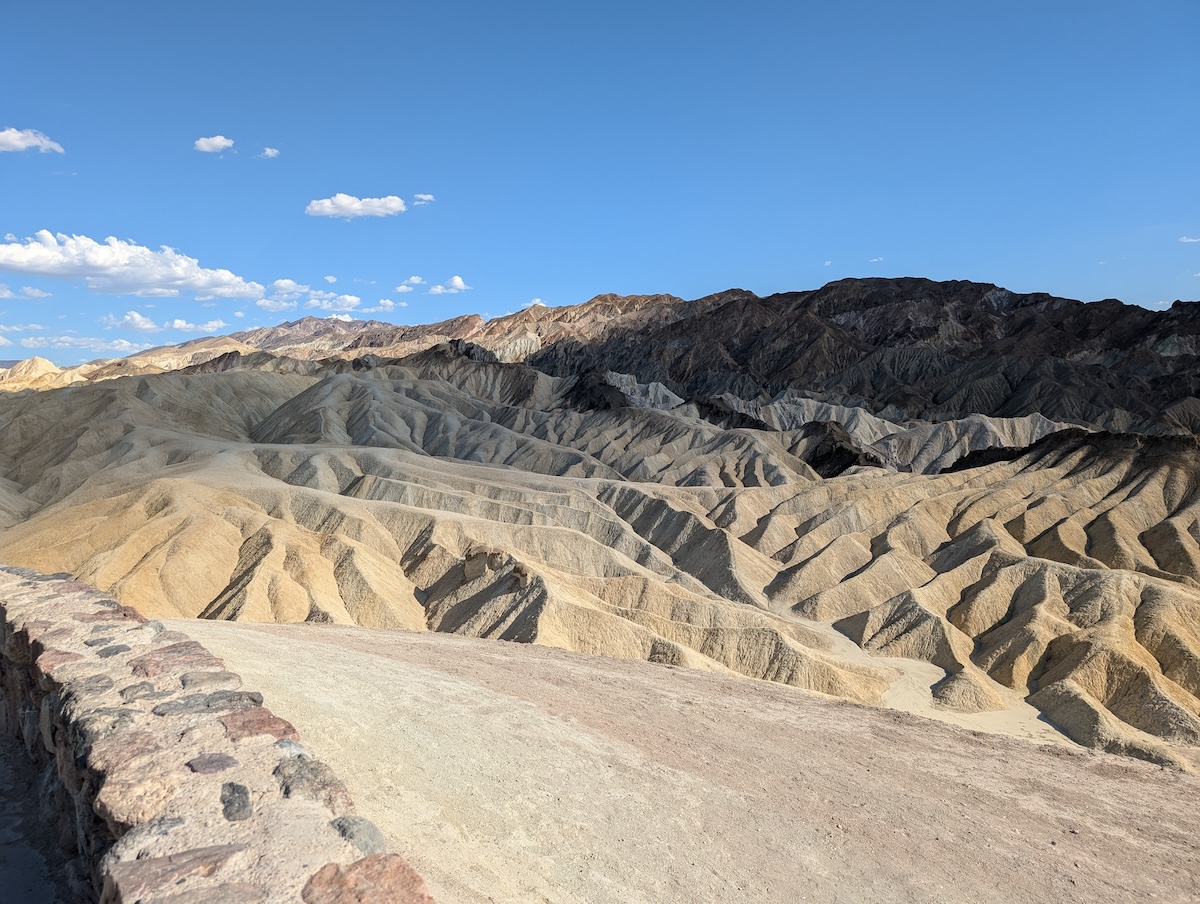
(910, 693)
(510, 773)
(30, 861)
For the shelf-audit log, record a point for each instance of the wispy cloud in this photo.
(330, 279)
(25, 139)
(31, 292)
(828, 263)
(210, 327)
(404, 288)
(95, 345)
(336, 303)
(875, 260)
(213, 145)
(1189, 239)
(287, 294)
(268, 153)
(131, 321)
(348, 207)
(119, 267)
(284, 296)
(452, 286)
(20, 327)
(275, 305)
(422, 200)
(142, 324)
(385, 305)
(288, 287)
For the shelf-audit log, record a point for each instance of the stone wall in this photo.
(165, 779)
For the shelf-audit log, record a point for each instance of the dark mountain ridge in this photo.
(924, 349)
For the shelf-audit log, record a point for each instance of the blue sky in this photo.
(556, 150)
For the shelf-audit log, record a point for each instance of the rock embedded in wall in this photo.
(174, 783)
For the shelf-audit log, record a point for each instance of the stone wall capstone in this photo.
(167, 781)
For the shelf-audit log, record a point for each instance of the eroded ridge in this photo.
(166, 780)
(454, 495)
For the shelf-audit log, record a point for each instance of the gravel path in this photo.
(511, 773)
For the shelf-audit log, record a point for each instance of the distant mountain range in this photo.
(899, 349)
(797, 488)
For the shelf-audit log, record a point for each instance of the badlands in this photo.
(792, 517)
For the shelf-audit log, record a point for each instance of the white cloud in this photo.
(23, 139)
(31, 292)
(875, 260)
(536, 303)
(20, 327)
(330, 279)
(385, 304)
(213, 145)
(1189, 239)
(348, 206)
(404, 288)
(422, 200)
(210, 327)
(4, 342)
(337, 303)
(287, 294)
(413, 281)
(268, 153)
(239, 313)
(345, 318)
(828, 263)
(131, 321)
(288, 288)
(452, 286)
(6, 292)
(95, 345)
(118, 267)
(275, 305)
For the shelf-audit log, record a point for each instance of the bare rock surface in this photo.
(513, 774)
(945, 499)
(151, 795)
(461, 496)
(942, 473)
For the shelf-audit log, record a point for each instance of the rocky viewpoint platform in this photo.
(162, 779)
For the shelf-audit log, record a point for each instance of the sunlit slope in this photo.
(474, 498)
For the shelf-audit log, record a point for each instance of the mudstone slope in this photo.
(814, 489)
